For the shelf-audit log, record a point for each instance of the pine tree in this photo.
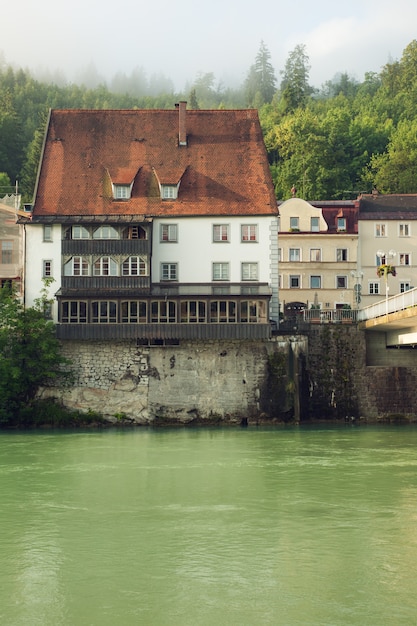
(260, 84)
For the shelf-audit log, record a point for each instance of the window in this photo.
(315, 254)
(249, 271)
(79, 232)
(133, 312)
(47, 232)
(294, 255)
(46, 269)
(121, 192)
(341, 255)
(169, 271)
(222, 311)
(221, 232)
(134, 232)
(169, 192)
(7, 252)
(380, 230)
(279, 255)
(163, 311)
(106, 232)
(74, 312)
(406, 286)
(315, 224)
(105, 266)
(134, 266)
(220, 271)
(294, 223)
(404, 230)
(373, 288)
(279, 281)
(295, 282)
(169, 232)
(249, 232)
(315, 282)
(103, 312)
(404, 258)
(341, 282)
(341, 223)
(76, 266)
(380, 260)
(253, 312)
(193, 311)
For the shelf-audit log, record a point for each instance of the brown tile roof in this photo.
(223, 170)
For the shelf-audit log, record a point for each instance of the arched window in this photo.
(106, 232)
(105, 266)
(76, 266)
(134, 266)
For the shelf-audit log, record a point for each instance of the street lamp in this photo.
(357, 287)
(385, 268)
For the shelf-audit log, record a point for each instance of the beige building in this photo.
(318, 243)
(387, 228)
(11, 243)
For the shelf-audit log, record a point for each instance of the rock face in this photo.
(194, 382)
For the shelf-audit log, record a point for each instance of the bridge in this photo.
(396, 316)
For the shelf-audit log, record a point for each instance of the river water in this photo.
(227, 526)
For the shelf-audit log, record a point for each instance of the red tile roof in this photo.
(223, 169)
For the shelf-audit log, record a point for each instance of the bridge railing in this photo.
(329, 316)
(400, 302)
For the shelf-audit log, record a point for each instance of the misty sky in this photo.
(183, 38)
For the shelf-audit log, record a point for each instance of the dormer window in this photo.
(341, 223)
(169, 192)
(121, 192)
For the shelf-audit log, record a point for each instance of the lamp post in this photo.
(385, 269)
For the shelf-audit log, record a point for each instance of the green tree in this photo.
(30, 354)
(295, 88)
(260, 84)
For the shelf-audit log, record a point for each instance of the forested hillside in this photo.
(330, 143)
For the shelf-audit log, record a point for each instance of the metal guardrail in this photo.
(330, 316)
(400, 302)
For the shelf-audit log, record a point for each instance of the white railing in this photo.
(389, 305)
(329, 316)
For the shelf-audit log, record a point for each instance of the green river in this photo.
(209, 526)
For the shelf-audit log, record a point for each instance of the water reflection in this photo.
(216, 526)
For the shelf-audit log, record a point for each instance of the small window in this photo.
(134, 266)
(169, 232)
(221, 232)
(294, 223)
(169, 192)
(105, 266)
(294, 255)
(341, 282)
(405, 286)
(220, 271)
(169, 271)
(76, 266)
(404, 230)
(315, 224)
(341, 254)
(46, 269)
(79, 232)
(7, 252)
(47, 232)
(341, 224)
(106, 232)
(295, 282)
(249, 271)
(121, 192)
(373, 288)
(315, 282)
(279, 255)
(404, 258)
(315, 255)
(380, 230)
(249, 232)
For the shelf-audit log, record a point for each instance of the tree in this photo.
(294, 85)
(260, 84)
(29, 354)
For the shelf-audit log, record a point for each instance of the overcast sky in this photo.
(182, 38)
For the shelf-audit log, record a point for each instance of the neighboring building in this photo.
(11, 243)
(388, 225)
(158, 225)
(317, 255)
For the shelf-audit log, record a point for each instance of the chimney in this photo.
(182, 134)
